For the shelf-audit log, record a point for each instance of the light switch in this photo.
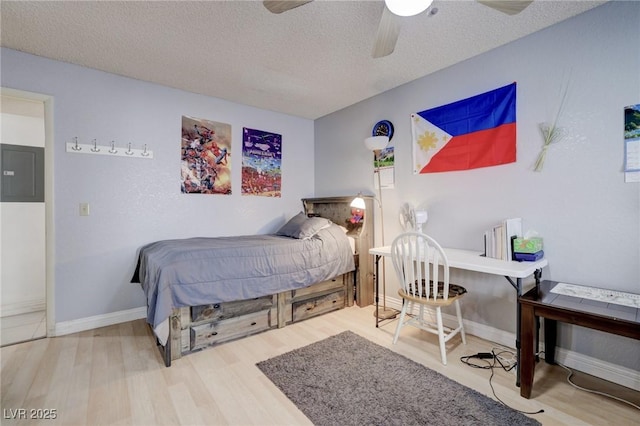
(84, 209)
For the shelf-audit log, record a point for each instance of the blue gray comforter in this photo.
(198, 271)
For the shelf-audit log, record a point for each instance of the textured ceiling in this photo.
(307, 62)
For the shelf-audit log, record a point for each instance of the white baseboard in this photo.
(595, 367)
(89, 323)
(598, 368)
(23, 307)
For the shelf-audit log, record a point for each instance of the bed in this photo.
(204, 291)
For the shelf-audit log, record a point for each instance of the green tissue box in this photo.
(529, 245)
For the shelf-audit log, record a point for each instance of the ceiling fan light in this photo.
(407, 7)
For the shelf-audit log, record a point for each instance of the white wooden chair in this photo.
(418, 260)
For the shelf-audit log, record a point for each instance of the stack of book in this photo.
(498, 241)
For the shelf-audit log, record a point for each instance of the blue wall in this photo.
(580, 204)
(133, 201)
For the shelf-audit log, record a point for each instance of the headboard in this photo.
(339, 211)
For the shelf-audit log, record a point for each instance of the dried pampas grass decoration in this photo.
(551, 133)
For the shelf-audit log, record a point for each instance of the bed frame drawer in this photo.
(335, 283)
(221, 311)
(195, 327)
(319, 305)
(215, 332)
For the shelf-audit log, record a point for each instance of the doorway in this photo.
(24, 217)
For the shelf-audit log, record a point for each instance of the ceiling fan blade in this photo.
(510, 7)
(283, 5)
(387, 36)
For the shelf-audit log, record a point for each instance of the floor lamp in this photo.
(376, 144)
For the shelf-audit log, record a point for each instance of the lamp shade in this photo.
(358, 203)
(375, 143)
(407, 7)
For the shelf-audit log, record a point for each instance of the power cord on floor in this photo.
(595, 391)
(491, 361)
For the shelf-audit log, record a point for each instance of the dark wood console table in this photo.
(553, 307)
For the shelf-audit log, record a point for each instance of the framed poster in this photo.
(206, 163)
(261, 163)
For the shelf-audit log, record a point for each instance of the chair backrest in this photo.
(418, 259)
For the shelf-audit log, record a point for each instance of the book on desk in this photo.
(504, 241)
(498, 241)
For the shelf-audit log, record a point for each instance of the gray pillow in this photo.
(303, 227)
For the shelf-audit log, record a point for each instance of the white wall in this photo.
(22, 225)
(135, 201)
(579, 203)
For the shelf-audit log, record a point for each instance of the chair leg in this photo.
(405, 303)
(443, 349)
(459, 314)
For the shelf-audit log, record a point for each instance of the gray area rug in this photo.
(349, 380)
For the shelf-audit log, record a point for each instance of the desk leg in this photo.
(550, 333)
(518, 332)
(526, 362)
(537, 275)
(377, 284)
(518, 286)
(537, 352)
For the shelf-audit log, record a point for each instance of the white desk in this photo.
(470, 260)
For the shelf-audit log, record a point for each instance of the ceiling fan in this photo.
(389, 26)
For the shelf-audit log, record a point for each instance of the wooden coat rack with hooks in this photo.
(112, 149)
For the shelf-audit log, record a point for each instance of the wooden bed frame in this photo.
(194, 328)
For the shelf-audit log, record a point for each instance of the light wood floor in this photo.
(115, 376)
(23, 327)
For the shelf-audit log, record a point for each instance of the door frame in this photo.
(48, 199)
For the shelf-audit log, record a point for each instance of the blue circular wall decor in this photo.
(383, 128)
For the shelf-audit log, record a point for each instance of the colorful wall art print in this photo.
(206, 163)
(261, 163)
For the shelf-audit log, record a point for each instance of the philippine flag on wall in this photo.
(468, 134)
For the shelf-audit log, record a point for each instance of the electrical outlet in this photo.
(84, 209)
